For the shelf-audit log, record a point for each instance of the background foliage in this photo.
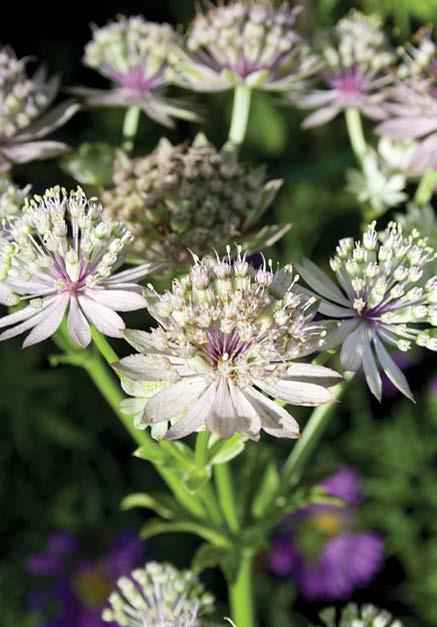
(65, 463)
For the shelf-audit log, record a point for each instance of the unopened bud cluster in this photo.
(11, 200)
(183, 197)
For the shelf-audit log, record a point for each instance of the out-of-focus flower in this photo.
(11, 200)
(189, 196)
(133, 54)
(228, 333)
(412, 103)
(318, 547)
(420, 219)
(355, 59)
(78, 587)
(383, 298)
(354, 616)
(249, 43)
(23, 117)
(61, 257)
(159, 595)
(375, 185)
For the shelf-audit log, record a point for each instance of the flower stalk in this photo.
(241, 594)
(240, 115)
(425, 189)
(130, 127)
(356, 134)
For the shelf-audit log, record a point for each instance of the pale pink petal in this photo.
(296, 393)
(174, 399)
(425, 155)
(104, 319)
(78, 327)
(146, 368)
(51, 322)
(117, 300)
(321, 116)
(408, 127)
(221, 418)
(247, 420)
(312, 373)
(31, 151)
(195, 416)
(132, 274)
(18, 316)
(275, 420)
(33, 317)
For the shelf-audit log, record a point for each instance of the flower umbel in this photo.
(354, 616)
(384, 298)
(159, 595)
(251, 42)
(227, 332)
(189, 196)
(412, 103)
(354, 58)
(23, 121)
(61, 257)
(133, 55)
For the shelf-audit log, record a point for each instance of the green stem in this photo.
(241, 595)
(225, 490)
(425, 189)
(240, 115)
(130, 127)
(356, 135)
(311, 435)
(201, 450)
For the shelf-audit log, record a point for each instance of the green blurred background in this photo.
(65, 461)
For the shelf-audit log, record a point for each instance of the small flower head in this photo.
(11, 201)
(244, 42)
(184, 197)
(228, 333)
(318, 547)
(133, 54)
(412, 103)
(23, 103)
(61, 256)
(354, 58)
(354, 616)
(384, 297)
(158, 595)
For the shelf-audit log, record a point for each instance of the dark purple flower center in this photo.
(224, 346)
(350, 82)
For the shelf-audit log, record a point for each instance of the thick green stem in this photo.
(225, 489)
(356, 135)
(425, 189)
(130, 127)
(311, 435)
(241, 595)
(240, 115)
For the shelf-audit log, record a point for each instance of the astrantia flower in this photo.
(383, 298)
(376, 184)
(227, 334)
(354, 616)
(318, 547)
(412, 103)
(133, 55)
(189, 196)
(355, 58)
(23, 121)
(250, 42)
(11, 200)
(159, 595)
(61, 257)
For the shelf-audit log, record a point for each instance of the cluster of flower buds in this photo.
(133, 54)
(354, 58)
(228, 331)
(189, 196)
(23, 102)
(412, 103)
(159, 595)
(384, 298)
(252, 43)
(354, 616)
(60, 256)
(11, 201)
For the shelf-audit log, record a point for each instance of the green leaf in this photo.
(161, 503)
(206, 556)
(156, 526)
(152, 453)
(223, 451)
(268, 486)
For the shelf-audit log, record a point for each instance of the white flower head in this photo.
(354, 616)
(383, 298)
(60, 257)
(11, 201)
(227, 339)
(158, 595)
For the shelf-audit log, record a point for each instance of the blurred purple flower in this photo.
(80, 587)
(318, 548)
(412, 103)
